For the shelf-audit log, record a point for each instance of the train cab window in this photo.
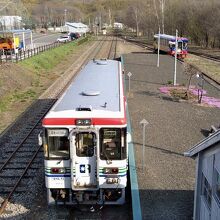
(85, 143)
(184, 45)
(172, 46)
(58, 143)
(112, 142)
(180, 45)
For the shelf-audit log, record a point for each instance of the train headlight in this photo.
(62, 170)
(110, 170)
(114, 170)
(58, 170)
(107, 170)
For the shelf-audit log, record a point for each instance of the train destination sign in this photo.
(57, 132)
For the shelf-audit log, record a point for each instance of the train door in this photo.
(84, 160)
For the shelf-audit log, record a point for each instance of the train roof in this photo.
(171, 38)
(96, 93)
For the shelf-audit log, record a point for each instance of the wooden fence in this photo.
(22, 55)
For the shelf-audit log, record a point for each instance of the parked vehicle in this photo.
(63, 39)
(74, 35)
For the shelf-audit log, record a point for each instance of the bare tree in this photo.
(156, 13)
(190, 72)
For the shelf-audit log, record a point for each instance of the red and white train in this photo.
(85, 139)
(168, 44)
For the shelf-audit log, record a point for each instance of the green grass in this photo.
(48, 59)
(17, 96)
(209, 67)
(23, 96)
(41, 63)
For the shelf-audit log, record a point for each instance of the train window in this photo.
(180, 44)
(113, 144)
(85, 143)
(184, 45)
(58, 143)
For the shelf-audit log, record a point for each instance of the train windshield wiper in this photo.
(108, 160)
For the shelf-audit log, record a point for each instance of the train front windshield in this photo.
(184, 45)
(57, 144)
(85, 143)
(112, 143)
(180, 45)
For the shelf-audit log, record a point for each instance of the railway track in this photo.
(209, 79)
(113, 49)
(191, 51)
(22, 156)
(206, 56)
(21, 159)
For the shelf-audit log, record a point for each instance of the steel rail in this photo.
(99, 47)
(203, 55)
(182, 61)
(6, 200)
(208, 77)
(22, 142)
(206, 56)
(113, 48)
(34, 126)
(110, 50)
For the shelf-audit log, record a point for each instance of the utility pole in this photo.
(65, 16)
(110, 17)
(136, 20)
(143, 122)
(129, 81)
(158, 51)
(162, 12)
(176, 48)
(100, 22)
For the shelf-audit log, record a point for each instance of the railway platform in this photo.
(164, 188)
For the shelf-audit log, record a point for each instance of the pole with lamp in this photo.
(175, 62)
(65, 16)
(144, 123)
(158, 50)
(200, 87)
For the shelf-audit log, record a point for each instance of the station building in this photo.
(207, 187)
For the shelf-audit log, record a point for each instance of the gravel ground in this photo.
(167, 183)
(166, 188)
(33, 204)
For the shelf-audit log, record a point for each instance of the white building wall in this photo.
(204, 211)
(10, 22)
(207, 168)
(215, 211)
(209, 162)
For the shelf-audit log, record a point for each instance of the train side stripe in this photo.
(115, 175)
(95, 121)
(58, 175)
